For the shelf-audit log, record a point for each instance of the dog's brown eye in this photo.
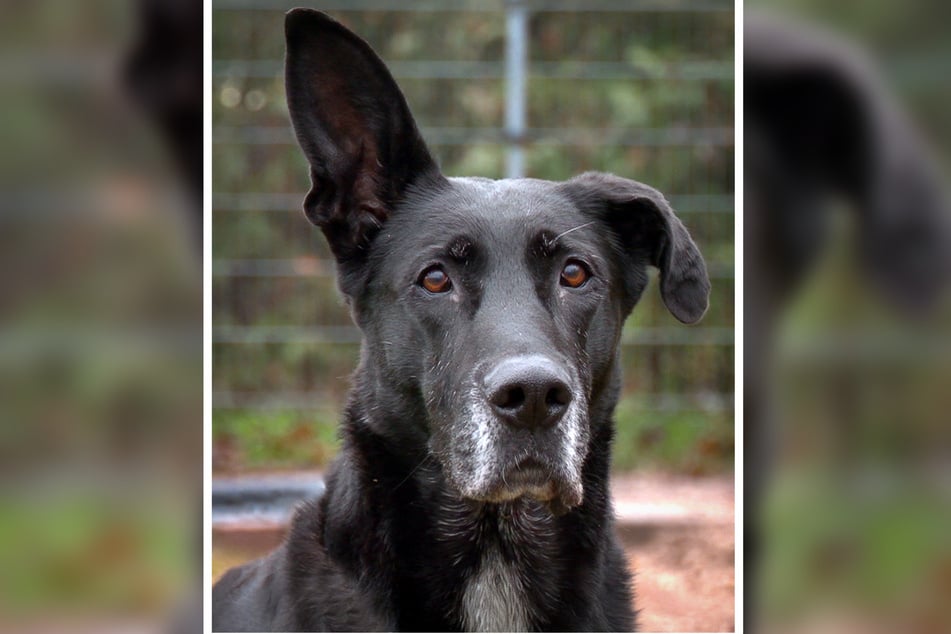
(435, 280)
(574, 274)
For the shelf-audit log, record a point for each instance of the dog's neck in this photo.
(461, 559)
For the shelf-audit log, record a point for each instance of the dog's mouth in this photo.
(534, 479)
(528, 473)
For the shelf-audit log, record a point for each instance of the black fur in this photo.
(438, 487)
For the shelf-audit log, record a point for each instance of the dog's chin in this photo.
(528, 482)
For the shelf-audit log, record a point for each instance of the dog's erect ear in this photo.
(355, 128)
(647, 231)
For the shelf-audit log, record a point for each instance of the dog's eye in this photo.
(575, 274)
(435, 280)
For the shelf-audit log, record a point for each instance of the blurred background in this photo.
(847, 337)
(100, 314)
(540, 89)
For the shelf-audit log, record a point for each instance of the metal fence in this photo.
(707, 209)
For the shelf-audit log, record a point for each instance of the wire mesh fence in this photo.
(500, 89)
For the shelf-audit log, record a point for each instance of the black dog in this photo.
(471, 492)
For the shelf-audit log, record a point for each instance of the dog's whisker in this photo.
(411, 473)
(564, 233)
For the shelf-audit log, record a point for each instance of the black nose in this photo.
(530, 391)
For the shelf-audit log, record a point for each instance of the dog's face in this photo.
(488, 292)
(495, 307)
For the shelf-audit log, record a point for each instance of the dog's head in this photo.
(491, 310)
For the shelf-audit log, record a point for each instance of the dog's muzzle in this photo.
(523, 433)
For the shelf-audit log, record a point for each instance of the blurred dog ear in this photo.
(905, 216)
(646, 231)
(355, 129)
(820, 111)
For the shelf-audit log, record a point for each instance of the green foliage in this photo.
(693, 442)
(84, 553)
(873, 540)
(283, 439)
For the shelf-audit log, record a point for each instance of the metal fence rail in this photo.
(624, 6)
(317, 267)
(645, 137)
(656, 402)
(698, 70)
(278, 202)
(351, 334)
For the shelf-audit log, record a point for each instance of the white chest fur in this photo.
(494, 599)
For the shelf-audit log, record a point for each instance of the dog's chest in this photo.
(494, 598)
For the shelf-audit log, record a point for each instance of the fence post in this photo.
(516, 74)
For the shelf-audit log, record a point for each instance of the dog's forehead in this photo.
(511, 199)
(495, 211)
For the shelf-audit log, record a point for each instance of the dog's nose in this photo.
(529, 391)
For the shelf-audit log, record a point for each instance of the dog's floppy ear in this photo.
(355, 128)
(645, 230)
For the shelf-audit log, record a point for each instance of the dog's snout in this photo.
(528, 392)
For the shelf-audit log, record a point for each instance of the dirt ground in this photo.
(678, 533)
(679, 536)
